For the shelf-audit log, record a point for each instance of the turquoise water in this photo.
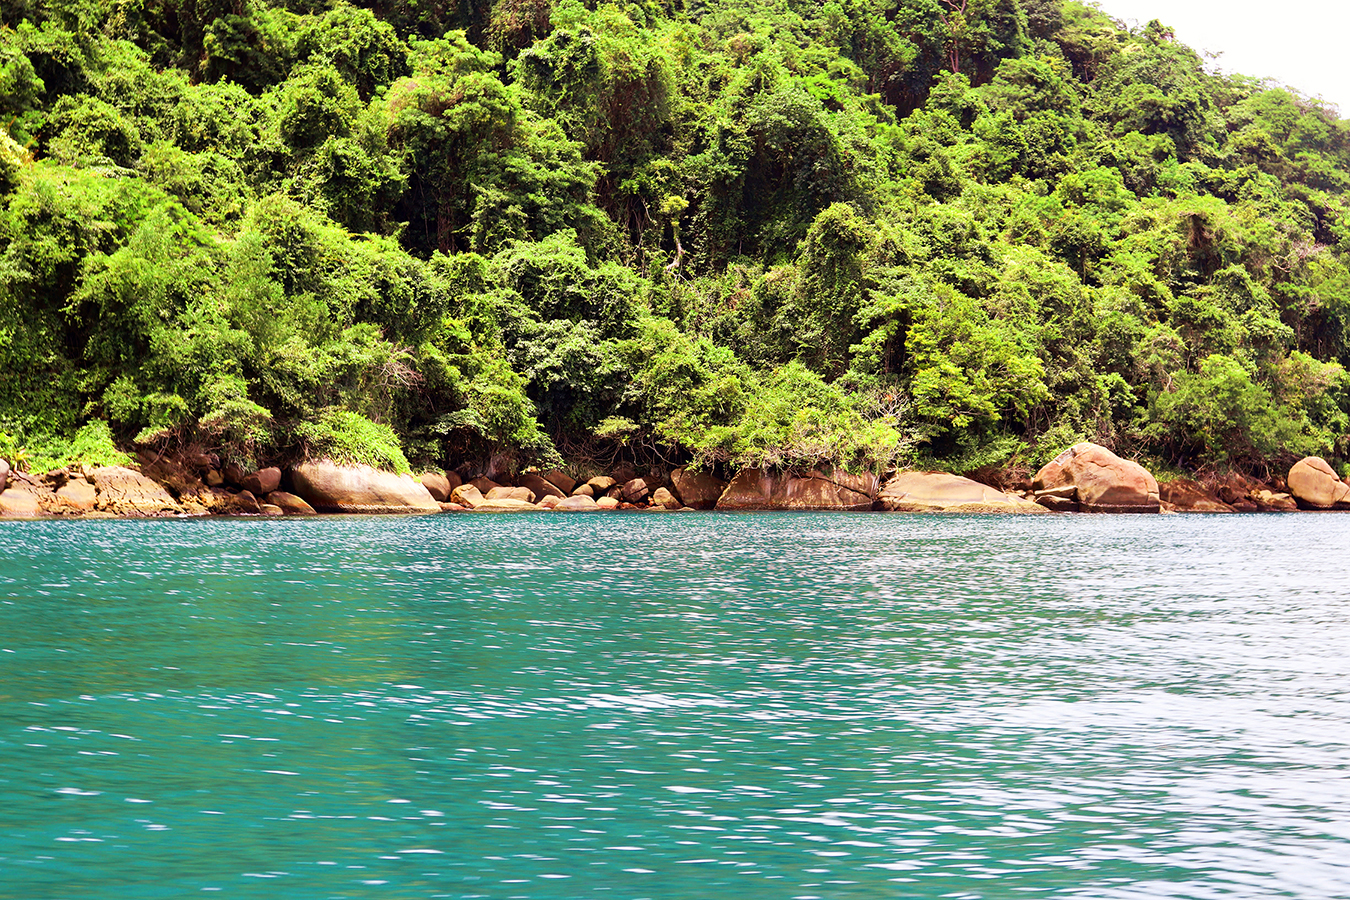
(669, 707)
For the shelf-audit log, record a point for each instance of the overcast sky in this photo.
(1301, 43)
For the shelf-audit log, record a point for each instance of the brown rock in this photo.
(290, 504)
(437, 485)
(615, 493)
(454, 479)
(234, 474)
(262, 482)
(607, 503)
(484, 485)
(943, 492)
(329, 487)
(270, 509)
(22, 499)
(467, 495)
(754, 489)
(601, 483)
(126, 492)
(1185, 495)
(452, 507)
(1056, 503)
(540, 487)
(511, 493)
(562, 481)
(583, 490)
(623, 473)
(213, 478)
(635, 490)
(1104, 482)
(4, 474)
(77, 496)
(551, 501)
(697, 489)
(1271, 501)
(576, 503)
(1315, 485)
(665, 499)
(505, 504)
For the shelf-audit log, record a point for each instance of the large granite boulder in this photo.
(329, 487)
(1315, 485)
(757, 489)
(540, 487)
(1185, 495)
(561, 480)
(510, 493)
(467, 496)
(1102, 481)
(697, 489)
(126, 492)
(943, 492)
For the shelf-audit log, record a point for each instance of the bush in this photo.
(348, 438)
(91, 445)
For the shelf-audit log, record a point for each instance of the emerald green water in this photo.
(669, 707)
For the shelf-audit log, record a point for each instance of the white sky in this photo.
(1300, 43)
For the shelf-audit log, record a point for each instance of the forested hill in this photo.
(770, 232)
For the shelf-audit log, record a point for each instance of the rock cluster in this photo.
(1084, 478)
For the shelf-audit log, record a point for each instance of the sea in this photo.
(692, 706)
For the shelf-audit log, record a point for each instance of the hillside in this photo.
(963, 233)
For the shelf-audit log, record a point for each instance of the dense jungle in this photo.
(780, 233)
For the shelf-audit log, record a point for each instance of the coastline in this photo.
(1086, 478)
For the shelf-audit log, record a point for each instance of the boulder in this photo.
(1185, 495)
(583, 490)
(943, 492)
(601, 483)
(262, 482)
(607, 503)
(234, 474)
(437, 485)
(1103, 482)
(540, 487)
(665, 499)
(1315, 485)
(757, 489)
(77, 495)
(213, 478)
(505, 504)
(562, 481)
(484, 485)
(551, 501)
(615, 493)
(4, 474)
(697, 489)
(21, 498)
(467, 496)
(511, 493)
(126, 492)
(623, 473)
(1056, 503)
(454, 478)
(247, 502)
(1271, 501)
(290, 504)
(329, 487)
(576, 503)
(270, 509)
(635, 490)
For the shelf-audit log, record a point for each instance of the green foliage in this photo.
(852, 232)
(91, 445)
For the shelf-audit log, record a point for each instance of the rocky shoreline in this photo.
(1084, 478)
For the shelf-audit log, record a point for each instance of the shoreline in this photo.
(1085, 478)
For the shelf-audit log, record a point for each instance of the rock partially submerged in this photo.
(1101, 481)
(1315, 486)
(943, 492)
(757, 489)
(329, 487)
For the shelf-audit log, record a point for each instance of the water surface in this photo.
(699, 706)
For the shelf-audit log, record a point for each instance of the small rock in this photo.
(467, 495)
(271, 509)
(665, 499)
(262, 482)
(601, 483)
(451, 507)
(607, 503)
(635, 490)
(576, 503)
(583, 490)
(290, 504)
(550, 501)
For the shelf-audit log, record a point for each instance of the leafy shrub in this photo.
(347, 437)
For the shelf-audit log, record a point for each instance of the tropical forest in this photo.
(869, 234)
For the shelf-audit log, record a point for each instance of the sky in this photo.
(1300, 43)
